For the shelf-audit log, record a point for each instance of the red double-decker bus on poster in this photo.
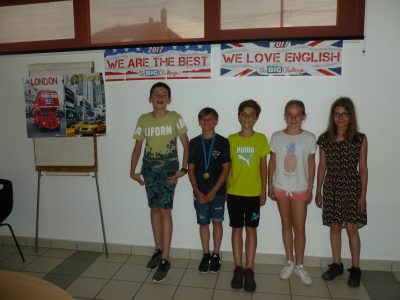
(46, 109)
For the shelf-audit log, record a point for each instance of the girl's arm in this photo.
(263, 173)
(320, 177)
(311, 176)
(271, 171)
(363, 168)
(137, 150)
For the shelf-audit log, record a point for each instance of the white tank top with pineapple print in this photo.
(292, 152)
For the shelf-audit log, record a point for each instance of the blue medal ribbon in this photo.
(207, 160)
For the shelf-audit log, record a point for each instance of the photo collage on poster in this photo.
(65, 105)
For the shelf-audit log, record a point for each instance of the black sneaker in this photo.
(215, 264)
(205, 263)
(154, 260)
(249, 283)
(237, 280)
(355, 277)
(162, 270)
(333, 271)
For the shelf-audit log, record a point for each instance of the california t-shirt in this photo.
(160, 134)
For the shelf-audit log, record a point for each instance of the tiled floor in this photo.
(90, 275)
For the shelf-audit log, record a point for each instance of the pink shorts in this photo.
(297, 196)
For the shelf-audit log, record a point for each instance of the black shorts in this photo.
(243, 211)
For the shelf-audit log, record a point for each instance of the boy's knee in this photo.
(203, 223)
(155, 211)
(237, 231)
(251, 230)
(165, 212)
(217, 223)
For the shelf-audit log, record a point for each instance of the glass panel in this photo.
(37, 22)
(125, 20)
(309, 13)
(239, 14)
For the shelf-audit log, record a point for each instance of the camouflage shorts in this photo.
(160, 193)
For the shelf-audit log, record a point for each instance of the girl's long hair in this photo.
(331, 131)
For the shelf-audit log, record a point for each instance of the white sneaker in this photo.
(287, 270)
(303, 274)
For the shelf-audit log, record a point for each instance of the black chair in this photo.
(6, 205)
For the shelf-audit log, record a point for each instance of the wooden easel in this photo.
(68, 157)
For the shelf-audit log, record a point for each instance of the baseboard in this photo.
(262, 258)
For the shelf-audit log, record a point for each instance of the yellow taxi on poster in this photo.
(93, 127)
(79, 125)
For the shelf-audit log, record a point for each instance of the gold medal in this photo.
(207, 160)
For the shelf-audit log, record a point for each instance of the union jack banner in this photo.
(282, 58)
(158, 63)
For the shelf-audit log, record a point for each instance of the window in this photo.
(37, 22)
(238, 14)
(85, 24)
(143, 20)
(309, 13)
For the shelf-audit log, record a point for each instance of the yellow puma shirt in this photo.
(246, 153)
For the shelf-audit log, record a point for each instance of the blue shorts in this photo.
(208, 212)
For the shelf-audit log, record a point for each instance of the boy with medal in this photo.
(209, 162)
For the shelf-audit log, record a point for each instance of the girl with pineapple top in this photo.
(291, 174)
(342, 185)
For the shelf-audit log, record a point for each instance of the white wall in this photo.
(69, 205)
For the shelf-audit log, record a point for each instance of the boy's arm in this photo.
(320, 177)
(271, 171)
(192, 177)
(137, 150)
(263, 173)
(221, 180)
(185, 144)
(311, 176)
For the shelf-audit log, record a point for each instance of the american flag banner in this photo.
(114, 62)
(282, 58)
(158, 63)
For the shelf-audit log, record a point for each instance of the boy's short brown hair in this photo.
(160, 84)
(207, 111)
(250, 103)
